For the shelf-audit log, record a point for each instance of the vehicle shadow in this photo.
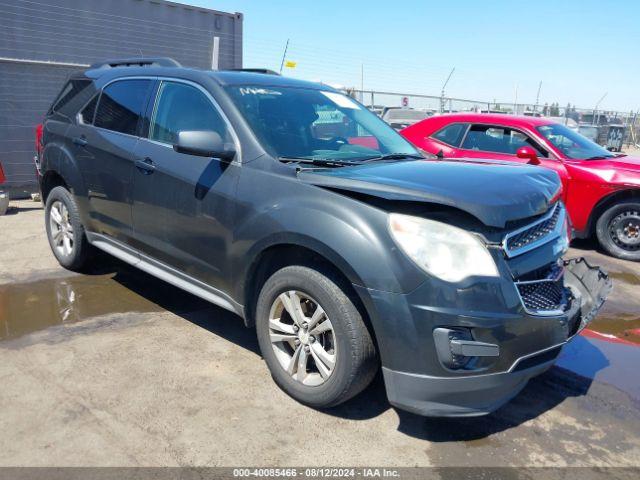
(14, 210)
(541, 394)
(204, 314)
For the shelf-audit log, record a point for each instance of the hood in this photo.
(626, 162)
(493, 192)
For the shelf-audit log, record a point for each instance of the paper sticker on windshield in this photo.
(341, 100)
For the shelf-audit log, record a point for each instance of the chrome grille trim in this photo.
(544, 230)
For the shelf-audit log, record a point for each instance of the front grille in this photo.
(543, 292)
(543, 296)
(529, 235)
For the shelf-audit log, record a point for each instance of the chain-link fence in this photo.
(611, 128)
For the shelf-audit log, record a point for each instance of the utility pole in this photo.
(362, 82)
(284, 55)
(443, 87)
(515, 101)
(535, 109)
(595, 110)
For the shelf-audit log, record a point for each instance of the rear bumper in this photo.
(416, 378)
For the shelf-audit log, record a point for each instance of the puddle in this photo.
(625, 277)
(601, 359)
(623, 326)
(31, 306)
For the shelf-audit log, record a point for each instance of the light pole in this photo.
(284, 55)
(595, 110)
(535, 109)
(443, 87)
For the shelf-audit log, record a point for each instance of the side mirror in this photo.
(529, 154)
(204, 143)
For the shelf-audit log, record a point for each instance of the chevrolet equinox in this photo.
(290, 204)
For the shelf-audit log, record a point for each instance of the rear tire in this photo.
(320, 358)
(618, 231)
(65, 231)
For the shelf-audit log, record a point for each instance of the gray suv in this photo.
(292, 205)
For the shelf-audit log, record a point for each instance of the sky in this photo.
(581, 50)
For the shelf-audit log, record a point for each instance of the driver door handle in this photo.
(146, 166)
(80, 141)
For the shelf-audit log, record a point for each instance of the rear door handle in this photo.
(80, 141)
(146, 166)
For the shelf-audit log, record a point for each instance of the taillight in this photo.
(39, 139)
(2, 177)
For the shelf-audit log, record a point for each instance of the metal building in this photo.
(43, 41)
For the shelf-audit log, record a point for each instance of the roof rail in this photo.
(137, 62)
(266, 71)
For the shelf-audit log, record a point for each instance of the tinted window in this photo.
(181, 107)
(121, 104)
(451, 134)
(86, 115)
(498, 139)
(318, 124)
(74, 93)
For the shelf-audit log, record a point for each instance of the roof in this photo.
(233, 77)
(222, 77)
(499, 118)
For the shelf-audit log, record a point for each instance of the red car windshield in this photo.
(572, 144)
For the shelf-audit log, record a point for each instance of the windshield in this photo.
(316, 124)
(572, 144)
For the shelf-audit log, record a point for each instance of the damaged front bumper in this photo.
(590, 287)
(520, 348)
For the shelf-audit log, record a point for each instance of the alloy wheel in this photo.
(61, 228)
(302, 338)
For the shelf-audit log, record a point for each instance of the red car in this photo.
(601, 189)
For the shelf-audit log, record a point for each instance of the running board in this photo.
(164, 272)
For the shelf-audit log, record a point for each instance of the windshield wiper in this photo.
(599, 157)
(393, 156)
(322, 162)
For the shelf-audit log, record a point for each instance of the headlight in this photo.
(444, 251)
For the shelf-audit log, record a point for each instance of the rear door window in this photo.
(451, 134)
(121, 105)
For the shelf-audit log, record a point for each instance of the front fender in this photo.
(350, 234)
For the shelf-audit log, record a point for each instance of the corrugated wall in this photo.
(82, 32)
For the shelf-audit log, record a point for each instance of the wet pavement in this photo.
(119, 368)
(31, 305)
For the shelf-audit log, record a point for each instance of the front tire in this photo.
(313, 338)
(65, 231)
(618, 231)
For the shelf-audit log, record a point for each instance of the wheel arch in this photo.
(50, 180)
(279, 255)
(274, 254)
(619, 196)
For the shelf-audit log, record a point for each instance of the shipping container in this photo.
(42, 42)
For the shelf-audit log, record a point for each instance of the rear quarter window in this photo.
(451, 134)
(88, 112)
(74, 95)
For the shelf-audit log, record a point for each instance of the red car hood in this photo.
(626, 163)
